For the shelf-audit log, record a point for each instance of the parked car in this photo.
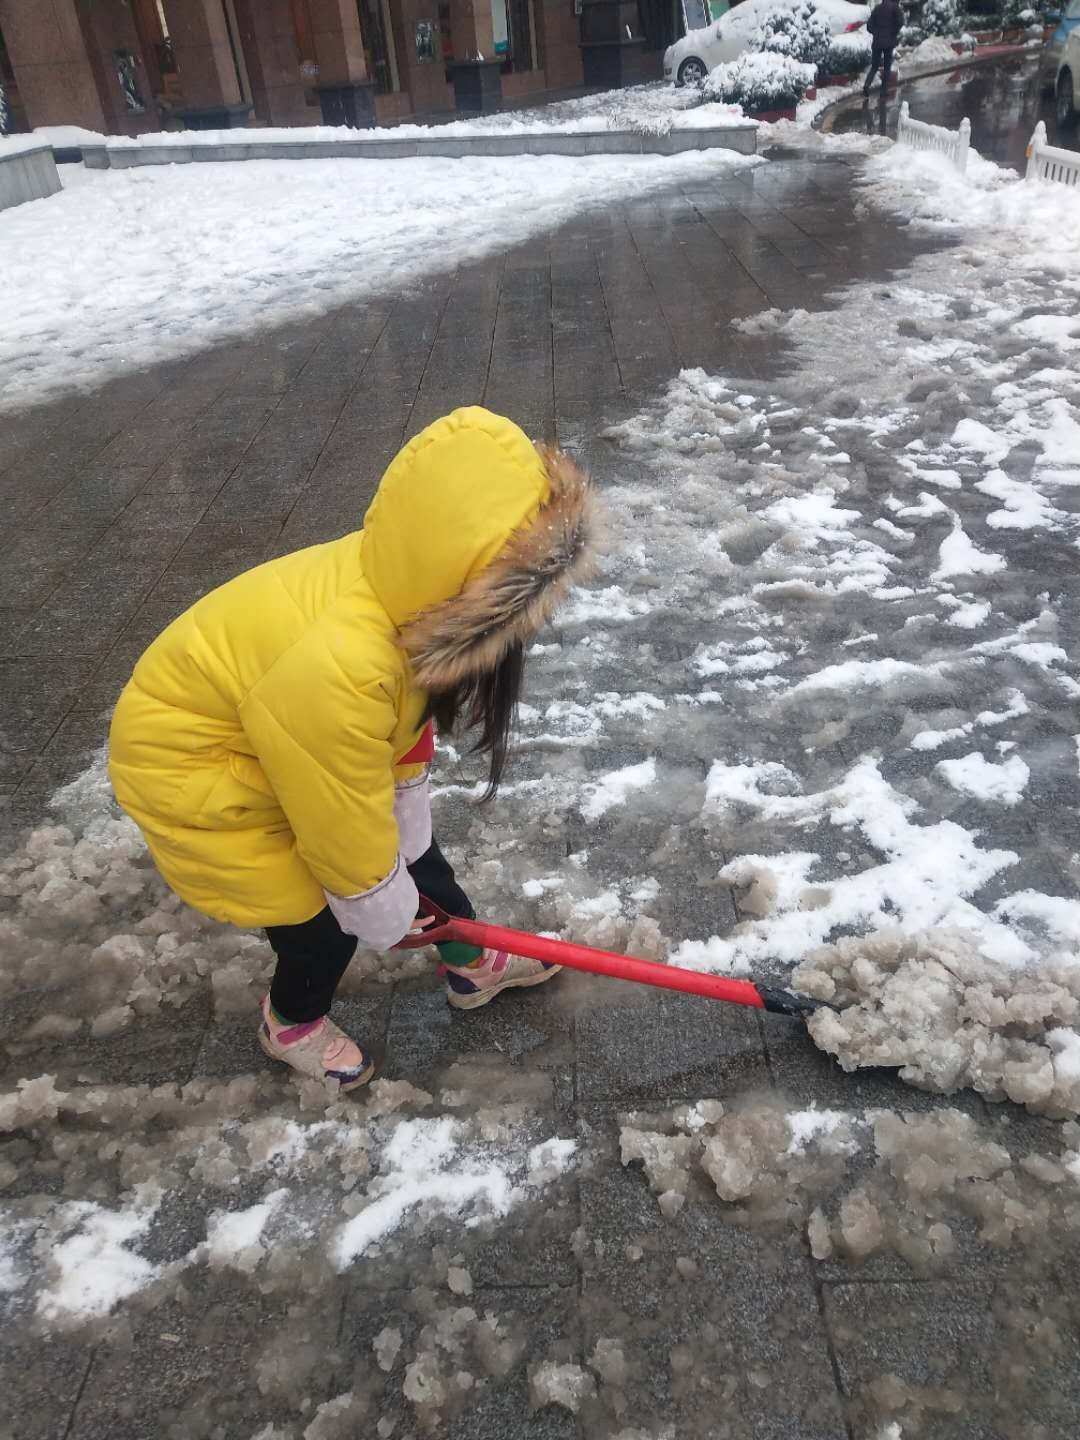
(690, 59)
(1067, 81)
(1053, 52)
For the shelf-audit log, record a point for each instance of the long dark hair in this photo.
(486, 702)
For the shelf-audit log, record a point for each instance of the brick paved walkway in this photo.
(123, 508)
(128, 505)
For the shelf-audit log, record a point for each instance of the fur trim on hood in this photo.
(515, 596)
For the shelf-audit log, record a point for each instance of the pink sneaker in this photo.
(318, 1048)
(470, 986)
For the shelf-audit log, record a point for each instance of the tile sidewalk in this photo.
(126, 505)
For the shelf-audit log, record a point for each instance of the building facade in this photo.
(133, 66)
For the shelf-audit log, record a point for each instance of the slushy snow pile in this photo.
(927, 1186)
(949, 1018)
(349, 1184)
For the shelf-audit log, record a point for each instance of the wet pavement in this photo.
(1002, 99)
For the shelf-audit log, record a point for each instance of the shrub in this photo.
(848, 53)
(761, 80)
(799, 33)
(941, 17)
(3, 112)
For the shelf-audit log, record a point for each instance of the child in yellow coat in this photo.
(273, 743)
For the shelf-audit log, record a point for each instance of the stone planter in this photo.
(811, 93)
(834, 80)
(477, 85)
(28, 175)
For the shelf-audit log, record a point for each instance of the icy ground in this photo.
(825, 685)
(125, 268)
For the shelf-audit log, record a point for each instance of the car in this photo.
(690, 59)
(1067, 83)
(1053, 52)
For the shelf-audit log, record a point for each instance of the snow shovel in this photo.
(606, 962)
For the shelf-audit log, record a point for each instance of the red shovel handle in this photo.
(582, 957)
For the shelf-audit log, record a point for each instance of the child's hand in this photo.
(420, 924)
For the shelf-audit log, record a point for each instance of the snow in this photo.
(865, 674)
(932, 739)
(649, 109)
(125, 268)
(975, 775)
(807, 1125)
(616, 787)
(60, 137)
(565, 1385)
(934, 50)
(94, 1268)
(11, 145)
(924, 879)
(422, 1170)
(230, 1233)
(1038, 221)
(958, 555)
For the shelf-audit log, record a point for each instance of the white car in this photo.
(690, 59)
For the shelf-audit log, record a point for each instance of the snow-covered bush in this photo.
(940, 17)
(1018, 12)
(3, 112)
(799, 33)
(848, 53)
(761, 80)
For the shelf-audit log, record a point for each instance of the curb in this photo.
(740, 138)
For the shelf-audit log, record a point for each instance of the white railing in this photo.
(953, 144)
(1047, 162)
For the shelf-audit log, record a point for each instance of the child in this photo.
(272, 744)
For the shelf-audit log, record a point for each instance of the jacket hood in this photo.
(474, 537)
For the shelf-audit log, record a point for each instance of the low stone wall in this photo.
(28, 175)
(741, 138)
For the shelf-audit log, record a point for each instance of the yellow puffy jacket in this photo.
(256, 744)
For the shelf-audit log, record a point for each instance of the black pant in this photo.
(880, 56)
(312, 957)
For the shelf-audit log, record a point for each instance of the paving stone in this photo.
(542, 1320)
(971, 1351)
(42, 1378)
(219, 1328)
(530, 1030)
(646, 1043)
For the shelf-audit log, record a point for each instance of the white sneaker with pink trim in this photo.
(470, 986)
(318, 1048)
